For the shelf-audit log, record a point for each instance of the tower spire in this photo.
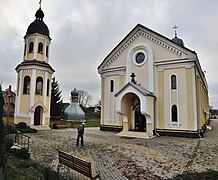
(175, 27)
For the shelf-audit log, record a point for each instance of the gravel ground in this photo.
(129, 158)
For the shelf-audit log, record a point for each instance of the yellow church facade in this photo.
(154, 85)
(34, 76)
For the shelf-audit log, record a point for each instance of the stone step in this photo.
(41, 127)
(132, 134)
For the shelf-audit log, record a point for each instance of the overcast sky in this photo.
(83, 33)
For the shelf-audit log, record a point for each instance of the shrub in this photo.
(28, 130)
(21, 125)
(22, 153)
(28, 164)
(10, 129)
(8, 143)
(54, 126)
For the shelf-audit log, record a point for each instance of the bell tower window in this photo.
(26, 85)
(31, 45)
(40, 48)
(39, 85)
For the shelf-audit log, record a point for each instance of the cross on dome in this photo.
(175, 27)
(40, 4)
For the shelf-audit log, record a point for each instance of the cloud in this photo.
(83, 32)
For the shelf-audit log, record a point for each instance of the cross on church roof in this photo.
(133, 78)
(175, 27)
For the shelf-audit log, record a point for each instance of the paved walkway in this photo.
(129, 158)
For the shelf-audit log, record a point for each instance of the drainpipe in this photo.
(198, 123)
(155, 117)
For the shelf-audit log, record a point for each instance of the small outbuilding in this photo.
(74, 113)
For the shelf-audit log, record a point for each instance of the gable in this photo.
(162, 47)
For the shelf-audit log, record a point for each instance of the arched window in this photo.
(39, 85)
(48, 85)
(111, 86)
(174, 113)
(31, 45)
(26, 85)
(40, 48)
(47, 51)
(173, 82)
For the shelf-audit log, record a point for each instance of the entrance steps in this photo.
(41, 127)
(133, 134)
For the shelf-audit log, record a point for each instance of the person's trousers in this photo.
(78, 137)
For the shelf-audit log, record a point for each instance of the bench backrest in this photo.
(79, 165)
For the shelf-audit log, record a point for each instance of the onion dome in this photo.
(178, 41)
(73, 112)
(38, 26)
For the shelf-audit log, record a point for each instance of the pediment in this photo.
(132, 87)
(38, 103)
(150, 36)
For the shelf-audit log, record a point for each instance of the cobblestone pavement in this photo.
(128, 158)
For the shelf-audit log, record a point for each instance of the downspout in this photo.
(198, 123)
(155, 132)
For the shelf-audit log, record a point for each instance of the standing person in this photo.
(80, 134)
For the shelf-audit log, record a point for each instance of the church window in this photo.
(174, 113)
(111, 86)
(40, 48)
(31, 45)
(140, 58)
(173, 82)
(39, 85)
(47, 51)
(48, 85)
(26, 85)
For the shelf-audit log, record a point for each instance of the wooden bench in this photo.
(77, 164)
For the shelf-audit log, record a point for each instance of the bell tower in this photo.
(34, 76)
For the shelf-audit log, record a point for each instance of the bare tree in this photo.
(84, 98)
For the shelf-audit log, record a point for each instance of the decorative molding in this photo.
(38, 103)
(149, 37)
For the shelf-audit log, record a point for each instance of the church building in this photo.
(153, 85)
(34, 76)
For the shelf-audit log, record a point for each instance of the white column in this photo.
(44, 49)
(45, 95)
(32, 94)
(35, 47)
(19, 91)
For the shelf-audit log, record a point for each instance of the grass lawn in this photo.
(91, 122)
(20, 169)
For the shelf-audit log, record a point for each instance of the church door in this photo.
(140, 120)
(38, 115)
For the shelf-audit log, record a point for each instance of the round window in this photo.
(140, 58)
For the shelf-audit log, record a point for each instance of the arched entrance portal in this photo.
(38, 115)
(140, 120)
